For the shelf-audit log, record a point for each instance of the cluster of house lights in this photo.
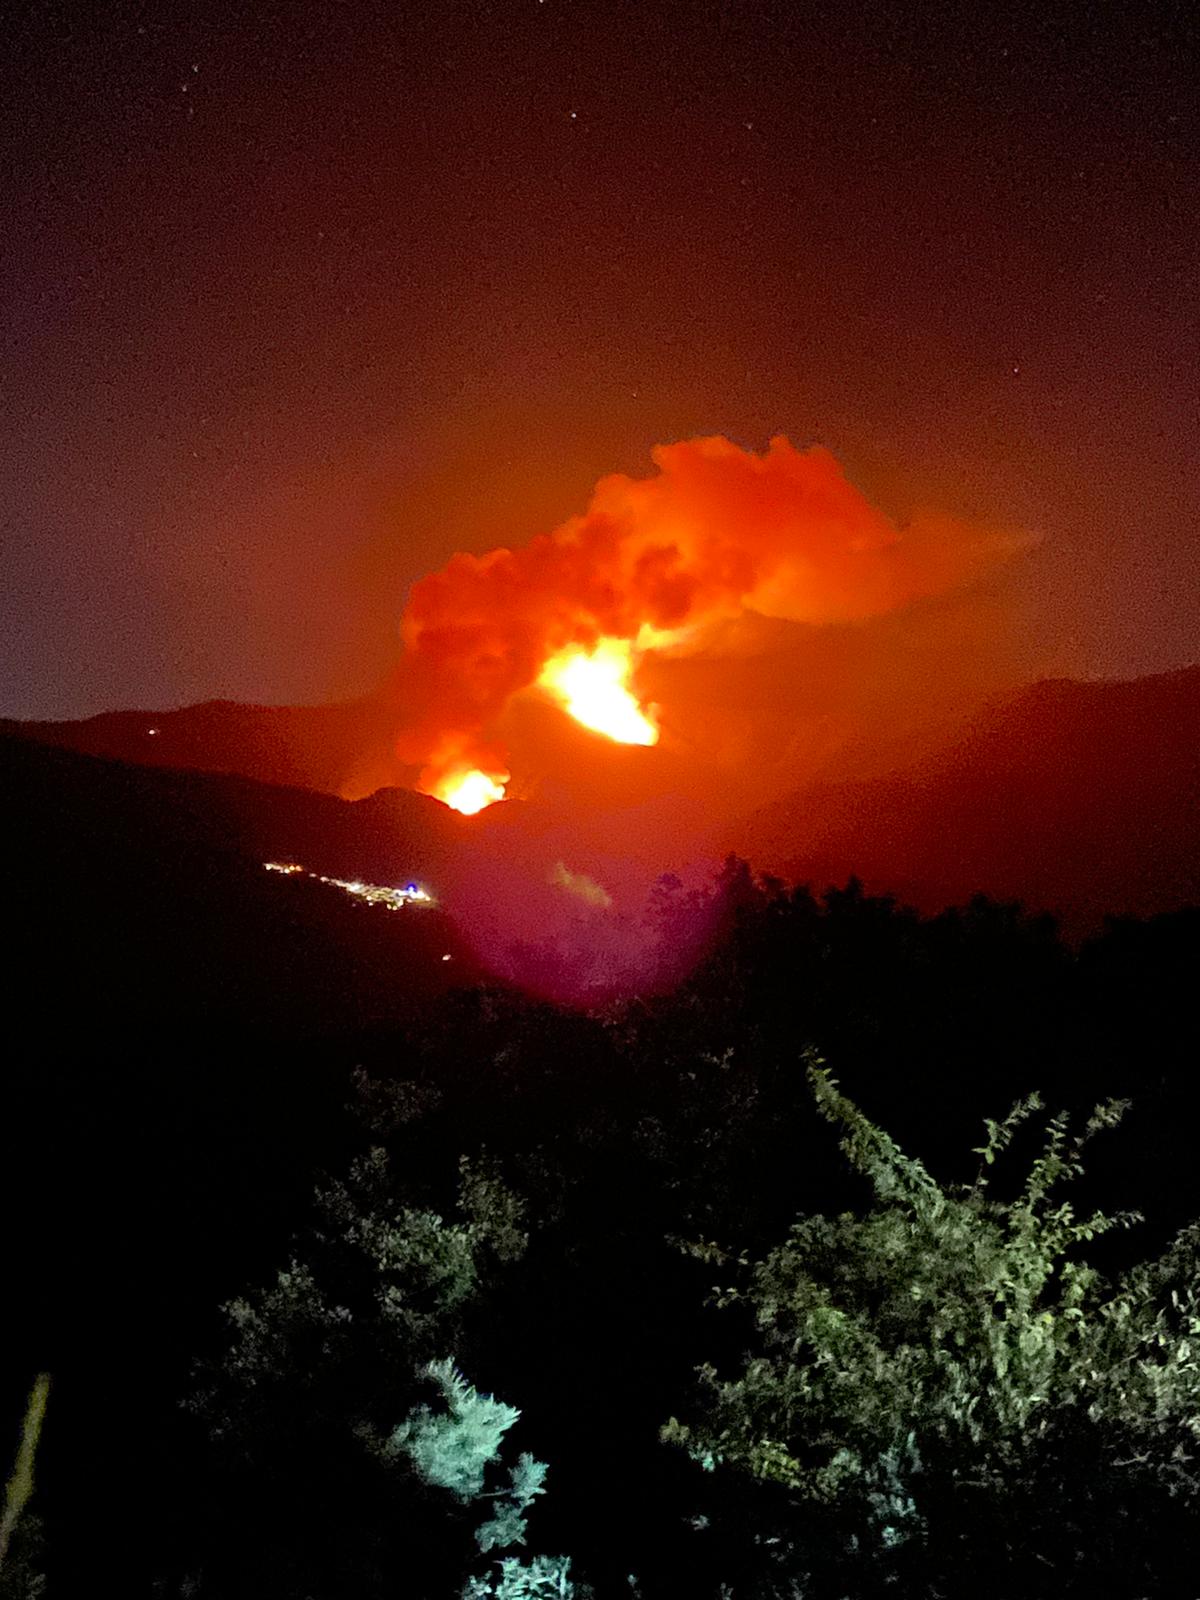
(376, 893)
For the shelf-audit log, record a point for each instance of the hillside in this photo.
(340, 749)
(145, 891)
(1079, 798)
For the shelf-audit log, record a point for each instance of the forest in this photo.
(862, 1260)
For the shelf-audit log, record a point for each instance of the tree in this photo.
(452, 1449)
(376, 1283)
(942, 1395)
(343, 1337)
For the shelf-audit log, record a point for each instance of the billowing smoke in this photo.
(580, 885)
(651, 566)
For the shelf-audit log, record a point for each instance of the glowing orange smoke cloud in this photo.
(718, 531)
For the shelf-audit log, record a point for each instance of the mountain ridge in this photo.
(1080, 797)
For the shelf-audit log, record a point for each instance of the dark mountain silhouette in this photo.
(146, 891)
(171, 862)
(1078, 798)
(341, 749)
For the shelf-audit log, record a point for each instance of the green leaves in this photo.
(1000, 1134)
(943, 1339)
(451, 1449)
(375, 1279)
(543, 1578)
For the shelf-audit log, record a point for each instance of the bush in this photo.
(308, 1498)
(452, 1449)
(943, 1395)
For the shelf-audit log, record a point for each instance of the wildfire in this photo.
(593, 687)
(469, 792)
(652, 567)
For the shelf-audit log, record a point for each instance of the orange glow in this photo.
(469, 792)
(593, 687)
(654, 567)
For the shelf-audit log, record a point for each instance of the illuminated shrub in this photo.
(452, 1448)
(943, 1395)
(316, 1498)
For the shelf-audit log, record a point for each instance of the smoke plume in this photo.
(650, 567)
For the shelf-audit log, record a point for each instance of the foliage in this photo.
(22, 1576)
(452, 1450)
(19, 1488)
(343, 1336)
(387, 1104)
(187, 1132)
(543, 1578)
(941, 1383)
(374, 1274)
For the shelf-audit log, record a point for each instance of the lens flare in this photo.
(593, 687)
(469, 792)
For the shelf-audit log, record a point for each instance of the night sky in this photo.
(299, 300)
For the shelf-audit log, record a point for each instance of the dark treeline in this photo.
(208, 1101)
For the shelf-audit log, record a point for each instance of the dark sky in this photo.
(297, 300)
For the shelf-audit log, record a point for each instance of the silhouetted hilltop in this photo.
(341, 749)
(1079, 798)
(143, 892)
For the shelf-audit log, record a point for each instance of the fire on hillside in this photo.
(652, 568)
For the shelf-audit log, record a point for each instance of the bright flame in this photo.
(594, 688)
(469, 792)
(654, 567)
